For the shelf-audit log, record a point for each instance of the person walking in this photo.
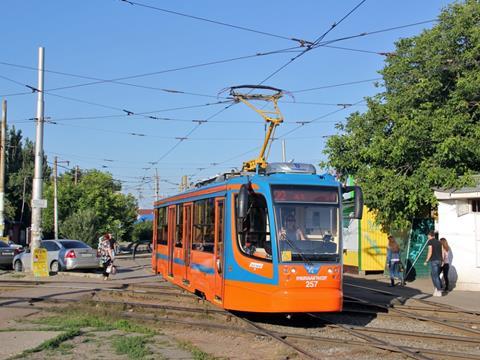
(113, 246)
(106, 255)
(393, 261)
(434, 257)
(445, 262)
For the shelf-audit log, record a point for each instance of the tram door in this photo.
(187, 239)
(172, 217)
(219, 237)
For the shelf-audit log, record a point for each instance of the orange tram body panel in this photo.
(255, 242)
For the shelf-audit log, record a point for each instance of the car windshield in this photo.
(2, 244)
(307, 231)
(74, 244)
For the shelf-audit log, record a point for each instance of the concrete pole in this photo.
(38, 174)
(55, 199)
(76, 175)
(284, 151)
(185, 183)
(2, 167)
(157, 186)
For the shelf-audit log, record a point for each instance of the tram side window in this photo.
(162, 227)
(179, 227)
(254, 230)
(203, 225)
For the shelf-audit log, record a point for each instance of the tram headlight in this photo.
(293, 271)
(330, 270)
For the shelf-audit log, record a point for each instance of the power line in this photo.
(301, 125)
(362, 34)
(314, 44)
(125, 111)
(302, 42)
(96, 117)
(120, 82)
(295, 49)
(336, 85)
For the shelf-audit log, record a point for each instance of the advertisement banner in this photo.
(40, 263)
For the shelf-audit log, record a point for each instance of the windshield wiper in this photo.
(299, 252)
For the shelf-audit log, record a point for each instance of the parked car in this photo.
(7, 253)
(62, 254)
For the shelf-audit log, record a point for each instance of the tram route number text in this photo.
(311, 284)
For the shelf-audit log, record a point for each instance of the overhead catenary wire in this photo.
(314, 120)
(286, 50)
(130, 114)
(216, 22)
(122, 110)
(323, 116)
(141, 113)
(118, 80)
(315, 44)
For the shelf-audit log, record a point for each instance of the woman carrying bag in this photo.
(395, 266)
(106, 255)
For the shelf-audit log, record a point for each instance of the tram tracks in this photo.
(460, 320)
(133, 309)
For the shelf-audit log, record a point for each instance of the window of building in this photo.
(179, 227)
(253, 231)
(162, 226)
(203, 225)
(475, 205)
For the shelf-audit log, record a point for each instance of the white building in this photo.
(459, 223)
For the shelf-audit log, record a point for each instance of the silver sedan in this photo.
(63, 254)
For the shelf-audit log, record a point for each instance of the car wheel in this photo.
(18, 266)
(54, 267)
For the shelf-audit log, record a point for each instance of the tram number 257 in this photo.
(311, 284)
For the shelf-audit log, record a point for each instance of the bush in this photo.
(142, 231)
(81, 225)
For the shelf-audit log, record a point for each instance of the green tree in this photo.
(142, 231)
(81, 225)
(421, 132)
(20, 161)
(98, 192)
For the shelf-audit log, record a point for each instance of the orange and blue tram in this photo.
(257, 242)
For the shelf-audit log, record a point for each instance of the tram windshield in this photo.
(307, 223)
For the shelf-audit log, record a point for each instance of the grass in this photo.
(132, 346)
(53, 344)
(197, 353)
(77, 320)
(81, 320)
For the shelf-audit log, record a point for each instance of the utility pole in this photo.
(76, 175)
(157, 186)
(2, 167)
(37, 202)
(184, 182)
(284, 151)
(55, 196)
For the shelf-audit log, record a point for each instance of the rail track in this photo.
(155, 306)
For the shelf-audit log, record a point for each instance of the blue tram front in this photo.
(260, 242)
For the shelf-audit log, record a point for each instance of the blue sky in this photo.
(113, 39)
